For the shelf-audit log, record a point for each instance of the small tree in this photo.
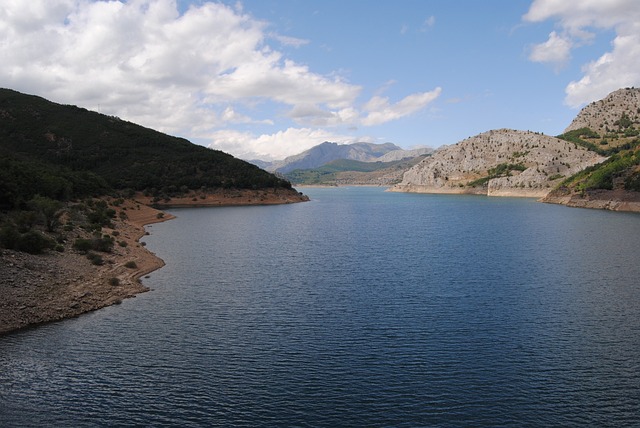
(49, 209)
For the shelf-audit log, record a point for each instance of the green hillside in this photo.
(334, 171)
(63, 151)
(620, 171)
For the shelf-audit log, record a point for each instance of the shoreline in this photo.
(610, 200)
(54, 286)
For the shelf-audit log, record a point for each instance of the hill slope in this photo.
(501, 162)
(604, 116)
(72, 142)
(610, 126)
(344, 172)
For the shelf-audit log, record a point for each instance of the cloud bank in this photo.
(577, 22)
(197, 74)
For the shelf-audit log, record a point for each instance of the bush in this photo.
(104, 244)
(9, 236)
(82, 245)
(114, 281)
(131, 264)
(96, 259)
(33, 242)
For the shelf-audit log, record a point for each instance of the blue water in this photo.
(359, 308)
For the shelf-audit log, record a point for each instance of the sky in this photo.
(266, 79)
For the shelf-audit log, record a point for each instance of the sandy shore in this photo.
(37, 289)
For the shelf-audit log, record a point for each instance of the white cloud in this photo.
(376, 111)
(617, 68)
(291, 41)
(275, 146)
(379, 110)
(142, 60)
(192, 74)
(557, 50)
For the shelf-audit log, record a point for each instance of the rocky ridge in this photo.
(501, 162)
(603, 115)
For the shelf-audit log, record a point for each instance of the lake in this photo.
(359, 308)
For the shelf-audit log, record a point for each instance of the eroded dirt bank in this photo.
(35, 289)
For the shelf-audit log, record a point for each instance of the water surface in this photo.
(359, 308)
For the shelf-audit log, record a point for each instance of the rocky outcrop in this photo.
(397, 155)
(501, 162)
(604, 115)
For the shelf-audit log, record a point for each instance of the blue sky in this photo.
(271, 78)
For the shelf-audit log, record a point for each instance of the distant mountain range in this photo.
(327, 152)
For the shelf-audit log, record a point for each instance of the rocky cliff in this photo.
(500, 162)
(603, 116)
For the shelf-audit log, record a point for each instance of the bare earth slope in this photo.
(500, 162)
(57, 285)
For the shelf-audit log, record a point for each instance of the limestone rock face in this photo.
(604, 113)
(501, 162)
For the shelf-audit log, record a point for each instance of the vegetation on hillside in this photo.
(92, 150)
(500, 170)
(621, 170)
(330, 173)
(52, 154)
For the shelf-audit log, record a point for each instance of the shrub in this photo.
(96, 259)
(33, 242)
(123, 243)
(82, 245)
(114, 281)
(131, 264)
(9, 236)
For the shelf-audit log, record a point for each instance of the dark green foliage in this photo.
(82, 245)
(64, 152)
(9, 235)
(103, 244)
(501, 170)
(131, 264)
(31, 241)
(633, 182)
(34, 242)
(100, 214)
(624, 121)
(114, 281)
(23, 179)
(49, 209)
(96, 259)
(577, 136)
(604, 175)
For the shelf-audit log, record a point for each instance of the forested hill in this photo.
(65, 151)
